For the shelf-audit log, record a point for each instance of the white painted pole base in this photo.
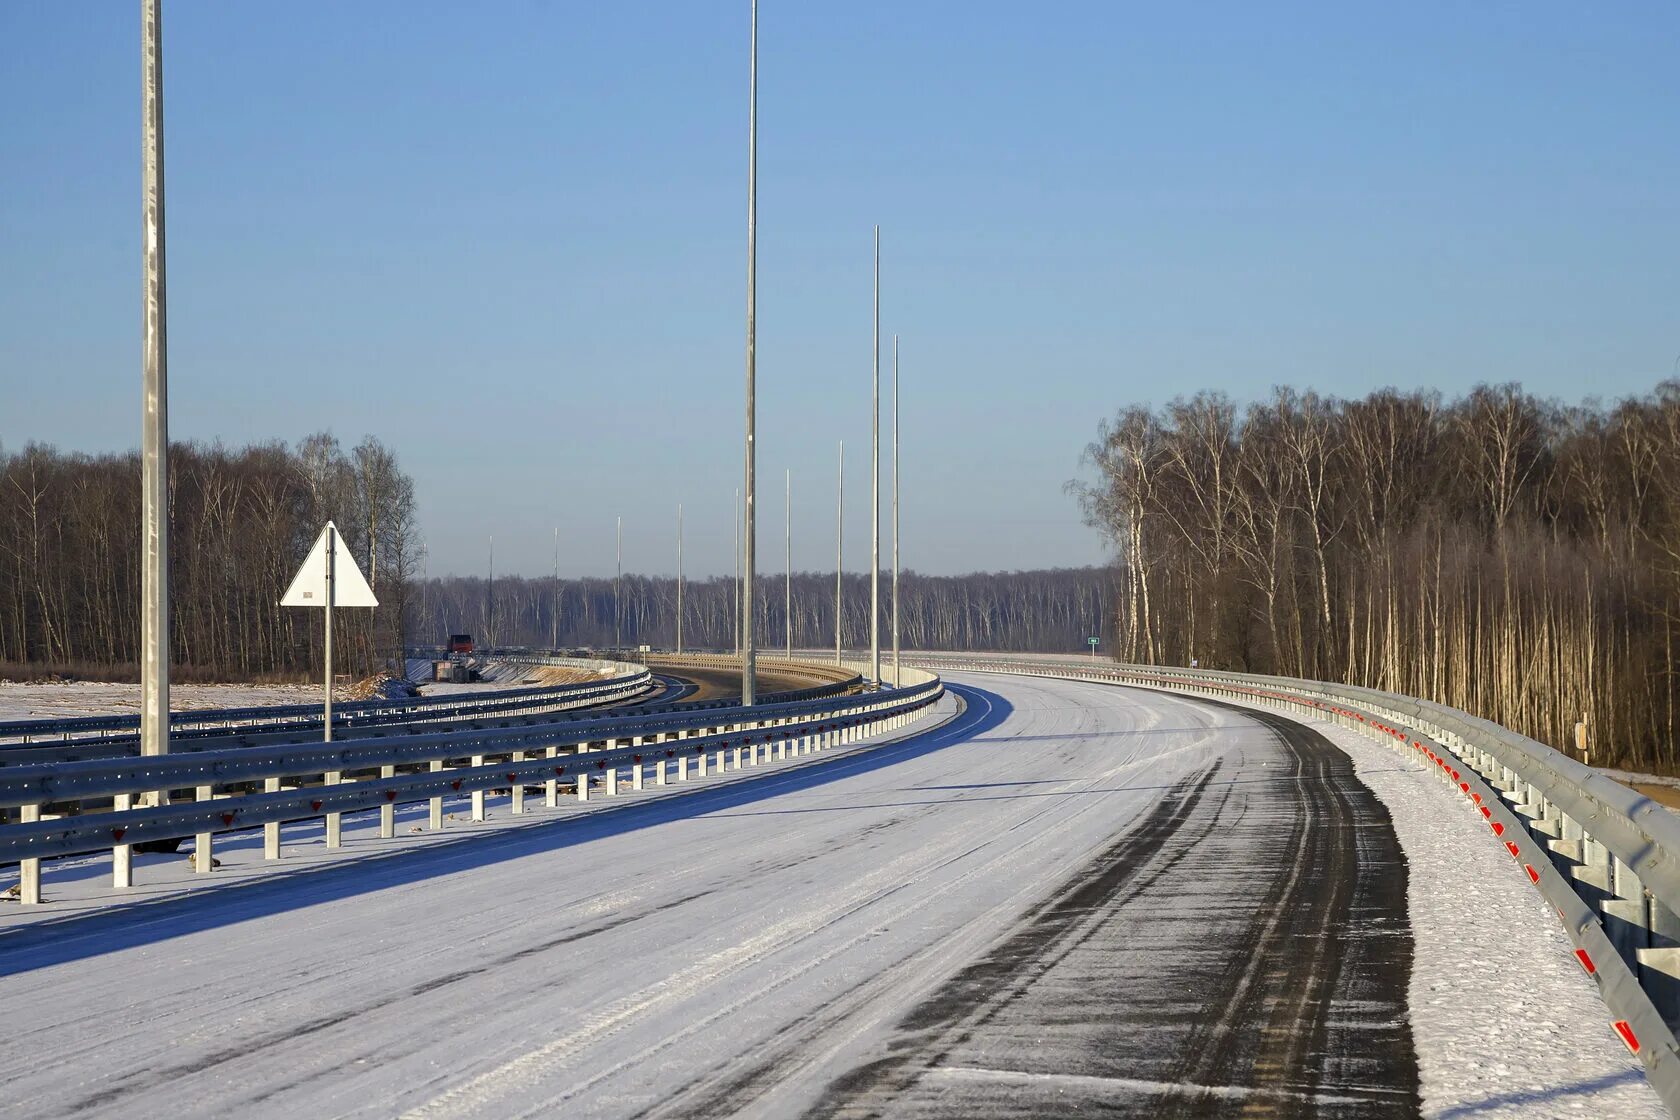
(388, 811)
(122, 856)
(271, 830)
(203, 859)
(335, 821)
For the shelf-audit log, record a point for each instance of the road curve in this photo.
(1076, 897)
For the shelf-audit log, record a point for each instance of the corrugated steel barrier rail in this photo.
(1605, 857)
(62, 806)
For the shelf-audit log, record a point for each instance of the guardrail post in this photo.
(636, 776)
(1627, 918)
(203, 857)
(516, 794)
(122, 856)
(738, 757)
(718, 761)
(754, 754)
(612, 780)
(335, 821)
(29, 870)
(435, 805)
(583, 785)
(551, 787)
(659, 772)
(478, 792)
(700, 759)
(271, 829)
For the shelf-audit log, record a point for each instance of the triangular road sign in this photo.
(310, 586)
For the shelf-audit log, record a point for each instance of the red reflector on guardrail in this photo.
(117, 833)
(1533, 875)
(1625, 1033)
(1511, 846)
(1498, 829)
(1486, 812)
(1586, 961)
(390, 795)
(227, 818)
(1465, 786)
(315, 806)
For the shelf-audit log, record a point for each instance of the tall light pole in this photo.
(679, 578)
(839, 548)
(154, 428)
(490, 596)
(787, 521)
(556, 605)
(749, 643)
(898, 680)
(737, 543)
(618, 582)
(875, 485)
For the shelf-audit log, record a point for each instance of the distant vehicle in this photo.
(460, 643)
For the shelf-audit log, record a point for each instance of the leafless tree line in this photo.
(240, 523)
(1042, 610)
(1501, 553)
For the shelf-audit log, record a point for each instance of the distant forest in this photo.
(1038, 610)
(1504, 554)
(240, 523)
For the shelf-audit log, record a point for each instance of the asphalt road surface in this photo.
(1074, 899)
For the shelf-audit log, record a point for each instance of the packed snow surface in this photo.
(1506, 1023)
(735, 946)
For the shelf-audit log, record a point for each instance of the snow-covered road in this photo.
(1075, 895)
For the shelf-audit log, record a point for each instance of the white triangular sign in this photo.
(310, 586)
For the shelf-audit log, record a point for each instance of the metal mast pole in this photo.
(679, 578)
(490, 623)
(787, 520)
(737, 546)
(332, 597)
(875, 485)
(154, 428)
(556, 607)
(749, 644)
(618, 581)
(898, 680)
(839, 548)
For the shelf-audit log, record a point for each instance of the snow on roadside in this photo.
(1505, 1022)
(62, 700)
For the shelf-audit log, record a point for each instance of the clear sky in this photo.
(509, 239)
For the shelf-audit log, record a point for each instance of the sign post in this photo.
(1093, 642)
(326, 580)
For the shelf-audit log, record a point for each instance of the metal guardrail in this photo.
(1606, 857)
(349, 714)
(305, 782)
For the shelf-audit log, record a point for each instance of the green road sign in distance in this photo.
(1093, 641)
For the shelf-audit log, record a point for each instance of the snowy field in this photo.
(92, 698)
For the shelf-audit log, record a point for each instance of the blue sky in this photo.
(509, 239)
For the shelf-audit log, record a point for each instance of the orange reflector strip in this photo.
(1625, 1033)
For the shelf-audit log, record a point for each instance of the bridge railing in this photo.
(68, 808)
(1606, 857)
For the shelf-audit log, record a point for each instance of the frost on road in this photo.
(1073, 898)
